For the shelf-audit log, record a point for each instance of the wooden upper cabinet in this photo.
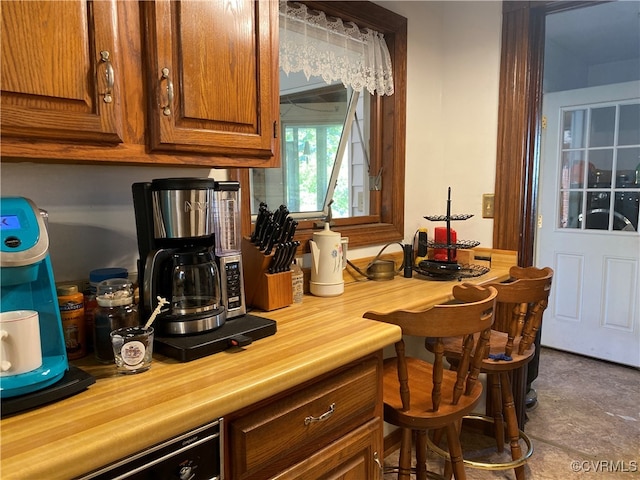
(60, 71)
(212, 77)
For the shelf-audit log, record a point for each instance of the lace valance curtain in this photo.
(333, 50)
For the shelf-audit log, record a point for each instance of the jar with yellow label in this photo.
(71, 303)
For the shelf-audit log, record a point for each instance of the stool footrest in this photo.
(486, 465)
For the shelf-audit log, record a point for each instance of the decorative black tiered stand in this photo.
(449, 269)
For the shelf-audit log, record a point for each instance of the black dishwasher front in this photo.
(194, 455)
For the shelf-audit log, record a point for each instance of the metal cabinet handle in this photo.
(166, 110)
(110, 76)
(324, 416)
(376, 459)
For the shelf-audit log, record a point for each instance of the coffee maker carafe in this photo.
(175, 227)
(188, 279)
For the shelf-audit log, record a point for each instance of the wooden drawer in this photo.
(287, 430)
(356, 456)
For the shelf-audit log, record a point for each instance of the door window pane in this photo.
(603, 122)
(570, 209)
(629, 133)
(600, 166)
(573, 169)
(628, 168)
(626, 211)
(600, 184)
(597, 210)
(573, 133)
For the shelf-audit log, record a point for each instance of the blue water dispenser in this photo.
(27, 283)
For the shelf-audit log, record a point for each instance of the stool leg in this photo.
(421, 455)
(404, 464)
(513, 431)
(455, 452)
(448, 470)
(496, 405)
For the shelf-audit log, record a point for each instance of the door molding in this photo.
(519, 112)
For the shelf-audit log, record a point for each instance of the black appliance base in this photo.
(73, 381)
(238, 331)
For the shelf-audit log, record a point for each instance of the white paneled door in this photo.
(588, 195)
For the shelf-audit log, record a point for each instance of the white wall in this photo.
(452, 110)
(452, 104)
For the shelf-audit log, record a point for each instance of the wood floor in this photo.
(586, 424)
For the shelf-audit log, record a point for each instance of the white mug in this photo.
(20, 339)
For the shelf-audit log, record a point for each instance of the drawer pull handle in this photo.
(321, 418)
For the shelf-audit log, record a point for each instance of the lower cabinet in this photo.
(330, 428)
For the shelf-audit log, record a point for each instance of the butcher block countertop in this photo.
(122, 414)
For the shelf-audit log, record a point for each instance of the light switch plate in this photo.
(488, 205)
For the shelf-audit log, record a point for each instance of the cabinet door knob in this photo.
(110, 76)
(166, 110)
(322, 417)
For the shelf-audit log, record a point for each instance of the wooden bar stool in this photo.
(420, 396)
(527, 298)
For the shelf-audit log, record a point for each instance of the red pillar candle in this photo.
(440, 254)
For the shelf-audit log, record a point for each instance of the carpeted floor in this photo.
(586, 424)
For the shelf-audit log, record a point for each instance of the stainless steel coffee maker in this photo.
(176, 241)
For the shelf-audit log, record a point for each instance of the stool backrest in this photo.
(527, 295)
(474, 315)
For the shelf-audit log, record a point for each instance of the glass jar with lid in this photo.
(115, 310)
(95, 277)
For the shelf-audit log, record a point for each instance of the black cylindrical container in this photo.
(408, 260)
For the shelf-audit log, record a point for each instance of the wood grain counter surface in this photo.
(122, 414)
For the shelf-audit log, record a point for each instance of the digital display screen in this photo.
(9, 222)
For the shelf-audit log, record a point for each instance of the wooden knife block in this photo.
(263, 290)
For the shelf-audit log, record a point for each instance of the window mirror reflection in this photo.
(323, 149)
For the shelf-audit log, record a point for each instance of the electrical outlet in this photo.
(360, 201)
(488, 205)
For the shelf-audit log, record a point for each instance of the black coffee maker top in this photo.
(182, 183)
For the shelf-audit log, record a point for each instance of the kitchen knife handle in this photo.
(292, 231)
(275, 235)
(265, 231)
(277, 258)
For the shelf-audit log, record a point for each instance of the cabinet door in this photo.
(355, 456)
(60, 71)
(212, 80)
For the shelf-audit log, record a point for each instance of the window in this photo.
(600, 169)
(322, 154)
(384, 220)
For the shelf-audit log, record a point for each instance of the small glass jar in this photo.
(90, 303)
(115, 310)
